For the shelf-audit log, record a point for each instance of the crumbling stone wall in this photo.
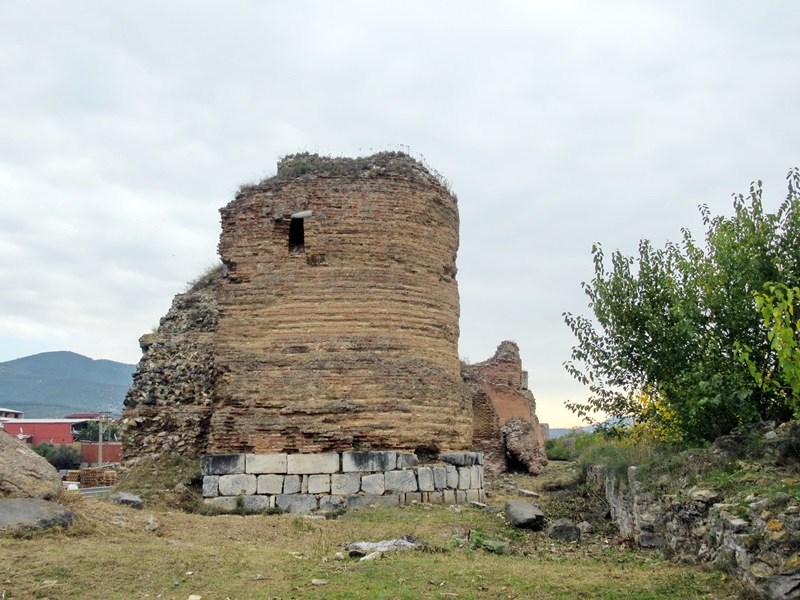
(332, 326)
(168, 408)
(511, 408)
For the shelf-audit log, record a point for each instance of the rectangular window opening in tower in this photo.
(296, 236)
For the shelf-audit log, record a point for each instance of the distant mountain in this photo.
(557, 432)
(55, 384)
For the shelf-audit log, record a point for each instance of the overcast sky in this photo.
(125, 126)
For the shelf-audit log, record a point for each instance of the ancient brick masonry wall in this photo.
(169, 405)
(351, 343)
(511, 406)
(487, 436)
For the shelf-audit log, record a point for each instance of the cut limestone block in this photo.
(359, 501)
(406, 460)
(368, 461)
(238, 485)
(265, 463)
(255, 503)
(210, 486)
(400, 481)
(222, 464)
(439, 478)
(464, 478)
(425, 479)
(452, 476)
(291, 484)
(373, 484)
(224, 503)
(270, 484)
(319, 484)
(307, 464)
(345, 484)
(296, 503)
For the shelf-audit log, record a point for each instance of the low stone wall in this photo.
(301, 483)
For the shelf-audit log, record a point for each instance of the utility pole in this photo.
(100, 420)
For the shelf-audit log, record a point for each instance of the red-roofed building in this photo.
(36, 431)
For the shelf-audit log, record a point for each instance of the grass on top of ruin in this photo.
(118, 552)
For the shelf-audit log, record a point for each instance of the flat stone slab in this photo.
(223, 503)
(127, 499)
(524, 515)
(266, 463)
(462, 459)
(296, 503)
(359, 501)
(222, 464)
(24, 514)
(368, 461)
(312, 464)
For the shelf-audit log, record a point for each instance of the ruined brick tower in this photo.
(334, 325)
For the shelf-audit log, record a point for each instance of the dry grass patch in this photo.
(112, 554)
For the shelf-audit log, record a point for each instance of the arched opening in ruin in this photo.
(515, 465)
(296, 236)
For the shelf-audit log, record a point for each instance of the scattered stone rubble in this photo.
(302, 483)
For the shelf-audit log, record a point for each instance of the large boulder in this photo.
(522, 445)
(23, 473)
(25, 514)
(524, 515)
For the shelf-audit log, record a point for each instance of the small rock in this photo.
(319, 581)
(524, 515)
(479, 505)
(527, 493)
(194, 597)
(127, 499)
(705, 496)
(585, 527)
(371, 556)
(564, 530)
(338, 556)
(496, 546)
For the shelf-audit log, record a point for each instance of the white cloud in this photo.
(125, 127)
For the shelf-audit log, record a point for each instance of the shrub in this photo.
(61, 457)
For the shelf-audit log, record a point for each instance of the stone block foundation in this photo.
(302, 483)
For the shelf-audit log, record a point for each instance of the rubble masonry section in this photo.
(300, 483)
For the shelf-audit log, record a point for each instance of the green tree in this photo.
(673, 320)
(61, 457)
(778, 307)
(91, 432)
